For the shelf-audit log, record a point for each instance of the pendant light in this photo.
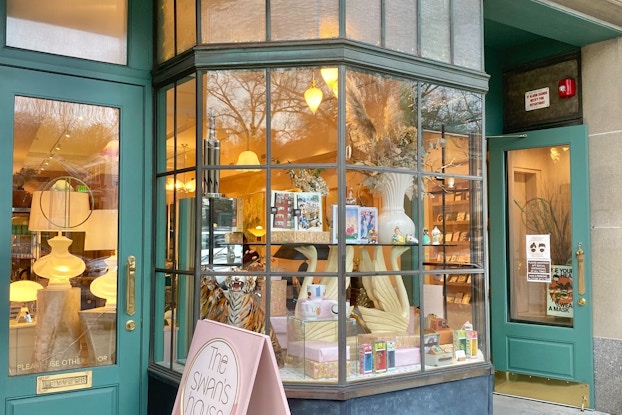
(313, 96)
(330, 76)
(248, 157)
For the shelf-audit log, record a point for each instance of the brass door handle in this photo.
(130, 286)
(580, 269)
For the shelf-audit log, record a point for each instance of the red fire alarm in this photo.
(567, 88)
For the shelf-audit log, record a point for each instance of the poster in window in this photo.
(560, 292)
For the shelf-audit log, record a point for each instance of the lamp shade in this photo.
(248, 158)
(54, 210)
(101, 230)
(24, 291)
(313, 96)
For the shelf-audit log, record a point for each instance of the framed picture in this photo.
(368, 224)
(309, 209)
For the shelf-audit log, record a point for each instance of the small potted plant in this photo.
(22, 197)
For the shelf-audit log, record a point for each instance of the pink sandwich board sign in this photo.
(230, 371)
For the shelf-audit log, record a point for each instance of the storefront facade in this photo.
(265, 150)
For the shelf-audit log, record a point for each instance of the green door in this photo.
(541, 321)
(72, 339)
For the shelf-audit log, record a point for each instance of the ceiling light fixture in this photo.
(313, 96)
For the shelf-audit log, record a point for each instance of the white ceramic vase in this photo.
(392, 188)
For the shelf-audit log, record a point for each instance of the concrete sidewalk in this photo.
(509, 405)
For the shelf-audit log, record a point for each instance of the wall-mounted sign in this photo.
(526, 104)
(538, 98)
(538, 258)
(230, 371)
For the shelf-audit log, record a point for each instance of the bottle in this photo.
(436, 236)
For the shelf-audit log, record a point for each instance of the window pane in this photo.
(452, 130)
(64, 267)
(301, 19)
(82, 30)
(186, 25)
(401, 26)
(468, 33)
(295, 124)
(165, 46)
(435, 28)
(363, 23)
(233, 21)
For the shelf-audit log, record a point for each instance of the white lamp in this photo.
(24, 291)
(248, 157)
(102, 234)
(57, 209)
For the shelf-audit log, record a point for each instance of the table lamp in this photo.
(101, 234)
(24, 291)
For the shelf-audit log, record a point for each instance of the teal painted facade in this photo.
(153, 392)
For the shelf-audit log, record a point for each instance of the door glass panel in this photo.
(87, 29)
(64, 236)
(539, 215)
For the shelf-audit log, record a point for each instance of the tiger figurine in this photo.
(213, 301)
(245, 311)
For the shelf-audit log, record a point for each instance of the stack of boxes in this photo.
(381, 352)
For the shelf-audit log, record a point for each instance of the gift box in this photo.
(436, 356)
(446, 336)
(366, 358)
(301, 237)
(278, 297)
(407, 356)
(318, 370)
(319, 351)
(390, 355)
(401, 339)
(283, 237)
(430, 339)
(460, 345)
(379, 349)
(279, 325)
(471, 344)
(438, 324)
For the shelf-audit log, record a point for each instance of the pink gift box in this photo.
(278, 297)
(316, 350)
(407, 356)
(279, 323)
(318, 370)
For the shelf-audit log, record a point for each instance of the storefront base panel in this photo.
(466, 396)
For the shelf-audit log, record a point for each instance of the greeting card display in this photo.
(309, 211)
(282, 216)
(296, 211)
(368, 221)
(352, 224)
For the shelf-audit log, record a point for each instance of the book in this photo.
(460, 216)
(462, 278)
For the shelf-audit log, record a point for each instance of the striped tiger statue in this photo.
(239, 306)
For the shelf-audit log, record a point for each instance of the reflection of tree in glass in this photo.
(550, 215)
